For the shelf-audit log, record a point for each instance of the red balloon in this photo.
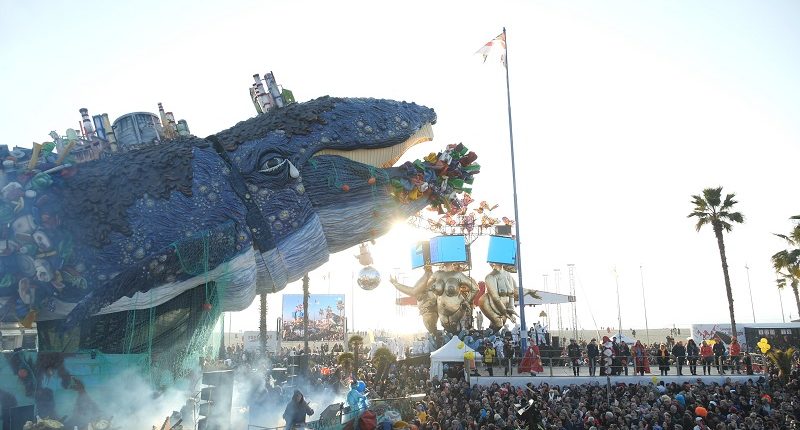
(22, 373)
(206, 306)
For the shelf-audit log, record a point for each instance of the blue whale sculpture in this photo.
(255, 206)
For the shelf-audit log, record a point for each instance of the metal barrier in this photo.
(562, 366)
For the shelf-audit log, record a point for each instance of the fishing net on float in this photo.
(162, 342)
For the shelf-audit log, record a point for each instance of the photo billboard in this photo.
(326, 320)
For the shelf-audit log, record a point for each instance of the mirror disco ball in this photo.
(369, 278)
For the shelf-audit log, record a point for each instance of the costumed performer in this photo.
(606, 356)
(640, 361)
(358, 403)
(532, 362)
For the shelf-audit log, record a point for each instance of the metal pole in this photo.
(523, 332)
(751, 293)
(646, 327)
(780, 297)
(352, 304)
(619, 309)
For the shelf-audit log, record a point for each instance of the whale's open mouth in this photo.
(383, 157)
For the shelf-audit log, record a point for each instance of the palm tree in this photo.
(782, 360)
(305, 313)
(382, 360)
(355, 343)
(262, 325)
(345, 360)
(709, 208)
(787, 262)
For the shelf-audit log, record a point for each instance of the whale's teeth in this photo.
(384, 157)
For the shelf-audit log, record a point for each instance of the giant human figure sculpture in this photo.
(445, 295)
(426, 299)
(498, 301)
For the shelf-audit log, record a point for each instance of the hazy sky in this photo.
(621, 111)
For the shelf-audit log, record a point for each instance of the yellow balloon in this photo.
(711, 342)
(469, 355)
(654, 379)
(763, 340)
(460, 345)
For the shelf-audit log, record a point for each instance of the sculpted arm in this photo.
(419, 287)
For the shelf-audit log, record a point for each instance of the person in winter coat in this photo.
(489, 354)
(719, 356)
(296, 410)
(574, 354)
(508, 354)
(662, 356)
(641, 363)
(692, 354)
(735, 351)
(707, 356)
(679, 351)
(624, 356)
(592, 352)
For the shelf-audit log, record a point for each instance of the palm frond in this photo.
(701, 222)
(726, 225)
(736, 217)
(713, 196)
(785, 237)
(729, 202)
(700, 205)
(780, 260)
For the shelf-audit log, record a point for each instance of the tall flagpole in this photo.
(523, 331)
(644, 302)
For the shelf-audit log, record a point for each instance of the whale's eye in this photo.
(272, 164)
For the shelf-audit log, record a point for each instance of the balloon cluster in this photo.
(764, 345)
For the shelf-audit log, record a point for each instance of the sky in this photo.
(621, 111)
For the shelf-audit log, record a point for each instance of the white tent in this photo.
(449, 353)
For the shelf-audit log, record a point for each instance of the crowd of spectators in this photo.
(451, 404)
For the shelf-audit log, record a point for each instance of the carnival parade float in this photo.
(124, 243)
